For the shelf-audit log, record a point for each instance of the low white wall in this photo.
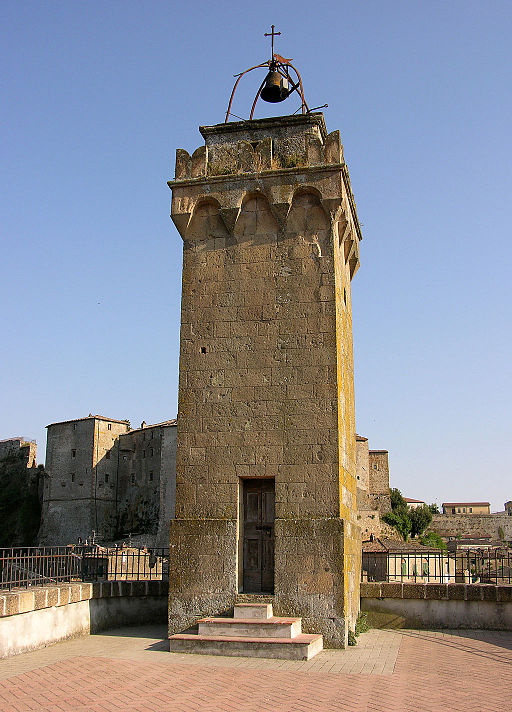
(38, 628)
(418, 613)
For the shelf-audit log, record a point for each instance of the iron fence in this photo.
(438, 566)
(23, 567)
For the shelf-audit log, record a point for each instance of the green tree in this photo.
(433, 540)
(398, 503)
(399, 519)
(421, 517)
(434, 508)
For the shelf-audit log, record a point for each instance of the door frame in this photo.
(240, 532)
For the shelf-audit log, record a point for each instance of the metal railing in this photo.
(467, 566)
(24, 567)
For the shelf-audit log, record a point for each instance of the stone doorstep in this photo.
(253, 610)
(302, 647)
(252, 627)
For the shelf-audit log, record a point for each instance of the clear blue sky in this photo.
(96, 98)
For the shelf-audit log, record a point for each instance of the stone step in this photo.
(251, 627)
(302, 647)
(253, 610)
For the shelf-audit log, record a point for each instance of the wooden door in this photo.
(258, 536)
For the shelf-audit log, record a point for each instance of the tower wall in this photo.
(266, 369)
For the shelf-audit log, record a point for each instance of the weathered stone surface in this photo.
(414, 590)
(437, 591)
(392, 590)
(457, 592)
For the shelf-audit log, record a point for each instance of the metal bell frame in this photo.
(276, 64)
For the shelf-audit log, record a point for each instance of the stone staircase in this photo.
(252, 632)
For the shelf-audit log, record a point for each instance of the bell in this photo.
(275, 89)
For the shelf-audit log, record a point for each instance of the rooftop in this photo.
(393, 546)
(89, 417)
(466, 504)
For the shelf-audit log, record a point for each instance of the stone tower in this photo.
(265, 483)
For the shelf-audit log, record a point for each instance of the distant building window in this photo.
(375, 467)
(133, 479)
(458, 509)
(453, 510)
(471, 509)
(109, 426)
(463, 509)
(152, 435)
(143, 453)
(151, 475)
(152, 452)
(73, 453)
(106, 477)
(74, 426)
(72, 477)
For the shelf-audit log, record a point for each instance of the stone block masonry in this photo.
(473, 525)
(433, 605)
(270, 245)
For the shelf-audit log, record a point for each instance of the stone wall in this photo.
(379, 472)
(472, 525)
(20, 493)
(104, 477)
(147, 480)
(432, 605)
(41, 616)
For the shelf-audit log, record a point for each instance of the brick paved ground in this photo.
(130, 670)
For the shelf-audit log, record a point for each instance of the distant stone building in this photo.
(508, 508)
(106, 478)
(20, 492)
(373, 497)
(25, 448)
(466, 507)
(414, 503)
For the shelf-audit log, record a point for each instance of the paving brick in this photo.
(388, 671)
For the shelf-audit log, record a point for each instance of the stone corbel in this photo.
(332, 207)
(181, 212)
(229, 216)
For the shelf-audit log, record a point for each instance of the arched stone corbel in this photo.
(183, 164)
(229, 216)
(199, 162)
(332, 206)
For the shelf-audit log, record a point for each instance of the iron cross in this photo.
(272, 34)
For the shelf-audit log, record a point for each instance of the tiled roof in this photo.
(466, 504)
(361, 438)
(88, 417)
(393, 546)
(174, 421)
(419, 501)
